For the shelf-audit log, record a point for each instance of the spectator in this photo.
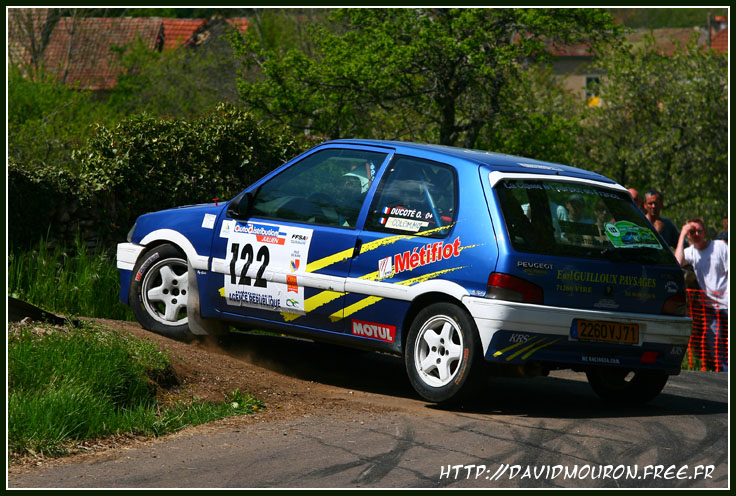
(723, 235)
(653, 202)
(710, 262)
(635, 196)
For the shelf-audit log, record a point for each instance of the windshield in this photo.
(579, 220)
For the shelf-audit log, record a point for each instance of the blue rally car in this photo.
(464, 262)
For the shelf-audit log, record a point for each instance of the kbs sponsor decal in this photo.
(381, 332)
(427, 254)
(519, 338)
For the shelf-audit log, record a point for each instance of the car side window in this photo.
(415, 196)
(327, 187)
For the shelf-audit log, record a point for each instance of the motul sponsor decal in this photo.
(381, 332)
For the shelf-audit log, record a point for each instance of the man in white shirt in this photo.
(710, 262)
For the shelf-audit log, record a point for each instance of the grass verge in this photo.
(67, 385)
(68, 281)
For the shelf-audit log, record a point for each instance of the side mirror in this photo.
(240, 206)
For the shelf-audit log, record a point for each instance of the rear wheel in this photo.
(443, 354)
(628, 387)
(159, 290)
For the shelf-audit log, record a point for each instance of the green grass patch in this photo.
(66, 385)
(71, 281)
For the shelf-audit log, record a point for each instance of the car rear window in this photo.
(562, 218)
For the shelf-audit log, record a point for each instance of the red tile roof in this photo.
(240, 23)
(24, 25)
(719, 42)
(178, 32)
(667, 40)
(80, 49)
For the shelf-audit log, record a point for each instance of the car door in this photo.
(286, 262)
(409, 237)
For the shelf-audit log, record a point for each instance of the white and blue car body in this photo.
(464, 262)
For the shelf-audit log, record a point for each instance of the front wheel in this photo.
(443, 354)
(159, 291)
(627, 387)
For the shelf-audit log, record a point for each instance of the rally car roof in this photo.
(493, 161)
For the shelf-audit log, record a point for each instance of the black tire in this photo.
(158, 292)
(626, 387)
(443, 354)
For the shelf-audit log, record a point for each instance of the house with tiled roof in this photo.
(719, 41)
(181, 32)
(83, 52)
(574, 62)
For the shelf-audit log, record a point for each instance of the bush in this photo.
(140, 165)
(145, 164)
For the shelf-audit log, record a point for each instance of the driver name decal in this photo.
(257, 251)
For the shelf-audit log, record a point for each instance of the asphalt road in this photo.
(529, 433)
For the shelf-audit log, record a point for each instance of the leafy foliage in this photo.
(664, 125)
(428, 74)
(182, 83)
(145, 164)
(536, 118)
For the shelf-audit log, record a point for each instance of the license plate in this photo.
(607, 332)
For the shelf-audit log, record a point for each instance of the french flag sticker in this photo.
(386, 210)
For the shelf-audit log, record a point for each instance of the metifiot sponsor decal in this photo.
(419, 257)
(381, 332)
(370, 246)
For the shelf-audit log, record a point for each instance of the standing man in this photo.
(653, 202)
(710, 261)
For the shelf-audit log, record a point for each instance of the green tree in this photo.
(537, 118)
(664, 124)
(427, 74)
(182, 83)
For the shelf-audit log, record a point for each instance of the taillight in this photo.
(512, 288)
(675, 305)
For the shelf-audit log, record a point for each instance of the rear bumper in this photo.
(514, 333)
